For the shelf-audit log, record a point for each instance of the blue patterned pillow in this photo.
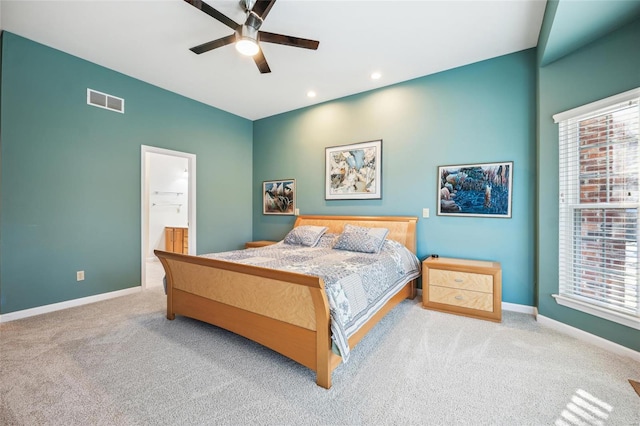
(306, 235)
(358, 238)
(327, 240)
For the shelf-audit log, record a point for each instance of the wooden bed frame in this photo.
(284, 311)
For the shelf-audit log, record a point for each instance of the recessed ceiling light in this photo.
(311, 94)
(375, 75)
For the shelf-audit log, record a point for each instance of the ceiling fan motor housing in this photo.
(253, 20)
(247, 32)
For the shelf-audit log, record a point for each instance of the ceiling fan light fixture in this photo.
(247, 47)
(247, 43)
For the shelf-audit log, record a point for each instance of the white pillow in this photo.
(362, 239)
(305, 235)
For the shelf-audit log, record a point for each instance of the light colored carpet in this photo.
(121, 362)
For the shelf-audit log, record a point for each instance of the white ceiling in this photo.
(150, 40)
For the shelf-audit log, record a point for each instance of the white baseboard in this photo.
(12, 316)
(588, 337)
(514, 307)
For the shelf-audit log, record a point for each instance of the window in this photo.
(598, 220)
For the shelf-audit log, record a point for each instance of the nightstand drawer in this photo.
(466, 287)
(463, 298)
(461, 280)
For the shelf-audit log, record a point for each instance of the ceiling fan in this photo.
(247, 36)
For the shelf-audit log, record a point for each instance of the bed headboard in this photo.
(401, 228)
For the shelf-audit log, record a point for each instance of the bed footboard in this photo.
(284, 311)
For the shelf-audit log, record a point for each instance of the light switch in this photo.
(425, 212)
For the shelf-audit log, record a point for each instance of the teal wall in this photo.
(603, 68)
(482, 112)
(70, 174)
(570, 24)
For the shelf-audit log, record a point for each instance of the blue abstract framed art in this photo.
(481, 190)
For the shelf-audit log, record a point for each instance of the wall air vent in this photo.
(102, 100)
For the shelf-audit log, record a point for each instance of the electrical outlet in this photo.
(425, 212)
(297, 212)
(80, 276)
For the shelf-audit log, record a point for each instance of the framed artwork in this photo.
(279, 197)
(354, 172)
(482, 190)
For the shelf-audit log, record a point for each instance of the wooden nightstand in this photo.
(255, 244)
(471, 288)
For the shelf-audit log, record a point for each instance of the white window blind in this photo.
(599, 162)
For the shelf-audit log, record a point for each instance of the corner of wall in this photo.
(547, 24)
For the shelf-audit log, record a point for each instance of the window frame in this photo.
(571, 182)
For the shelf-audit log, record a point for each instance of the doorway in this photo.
(168, 200)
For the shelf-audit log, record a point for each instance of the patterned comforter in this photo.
(357, 284)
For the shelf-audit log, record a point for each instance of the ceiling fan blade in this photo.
(205, 47)
(261, 62)
(199, 4)
(263, 7)
(288, 40)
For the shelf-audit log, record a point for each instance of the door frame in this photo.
(144, 202)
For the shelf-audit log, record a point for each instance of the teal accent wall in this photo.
(482, 112)
(574, 24)
(70, 174)
(601, 69)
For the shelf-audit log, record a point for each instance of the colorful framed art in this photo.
(279, 197)
(354, 172)
(482, 190)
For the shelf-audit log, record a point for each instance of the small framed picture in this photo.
(482, 190)
(354, 172)
(279, 197)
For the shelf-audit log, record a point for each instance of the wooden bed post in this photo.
(169, 282)
(414, 289)
(323, 335)
(323, 372)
